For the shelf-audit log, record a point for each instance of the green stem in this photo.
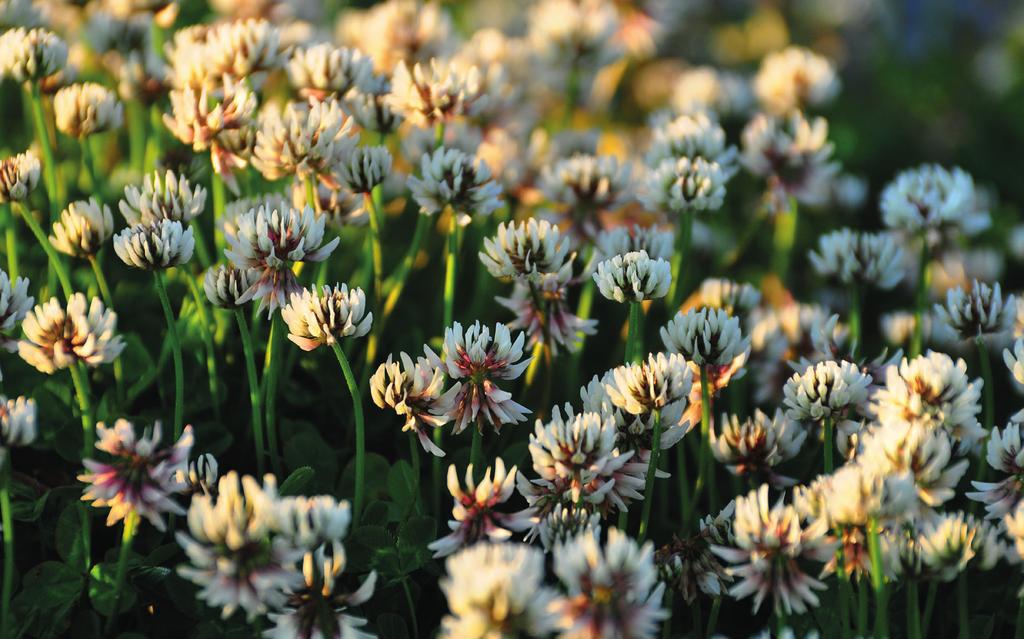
(1018, 632)
(179, 368)
(219, 204)
(985, 362)
(439, 134)
(271, 373)
(254, 389)
(414, 459)
(396, 283)
(312, 201)
(205, 324)
(920, 298)
(962, 611)
(476, 455)
(713, 618)
(913, 611)
(51, 253)
(785, 236)
(844, 591)
(375, 245)
(929, 606)
(878, 581)
(680, 261)
(131, 520)
(11, 237)
(633, 337)
(652, 467)
(830, 446)
(8, 532)
(855, 312)
(684, 488)
(413, 616)
(357, 405)
(81, 383)
(49, 163)
(89, 166)
(704, 460)
(108, 300)
(450, 272)
(862, 608)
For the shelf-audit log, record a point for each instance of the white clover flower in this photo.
(948, 542)
(160, 245)
(626, 239)
(793, 153)
(794, 79)
(735, 298)
(565, 523)
(226, 285)
(140, 476)
(17, 422)
(852, 257)
(1014, 523)
(413, 391)
(982, 311)
(475, 517)
(497, 589)
(398, 30)
(544, 312)
(689, 566)
(142, 76)
(20, 13)
(589, 182)
(270, 237)
(755, 446)
(310, 522)
(200, 476)
(684, 185)
(306, 140)
(449, 177)
(931, 198)
(15, 303)
(437, 92)
(477, 361)
(633, 277)
(1005, 454)
(934, 391)
(662, 382)
(694, 136)
(316, 318)
(365, 168)
(83, 228)
(83, 109)
(708, 89)
(162, 197)
(234, 554)
(30, 55)
(922, 452)
(322, 69)
(769, 540)
(828, 389)
(706, 337)
(57, 337)
(244, 49)
(565, 34)
(19, 175)
(369, 106)
(612, 590)
(527, 250)
(1014, 359)
(854, 494)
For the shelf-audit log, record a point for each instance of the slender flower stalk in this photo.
(878, 580)
(920, 298)
(43, 136)
(271, 373)
(54, 258)
(634, 334)
(219, 192)
(913, 611)
(705, 460)
(254, 389)
(10, 240)
(81, 383)
(652, 469)
(8, 532)
(205, 324)
(783, 239)
(108, 299)
(451, 270)
(173, 338)
(395, 284)
(131, 522)
(828, 426)
(987, 390)
(357, 410)
(681, 263)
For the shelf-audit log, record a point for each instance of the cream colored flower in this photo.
(226, 286)
(735, 298)
(528, 250)
(365, 168)
(321, 70)
(633, 277)
(827, 389)
(17, 424)
(709, 89)
(930, 198)
(437, 92)
(794, 79)
(587, 181)
(370, 106)
(15, 303)
(316, 318)
(982, 311)
(57, 337)
(449, 177)
(84, 227)
(244, 50)
(754, 447)
(166, 197)
(851, 257)
(160, 245)
(706, 337)
(19, 175)
(413, 391)
(694, 136)
(684, 185)
(793, 153)
(30, 55)
(626, 239)
(83, 109)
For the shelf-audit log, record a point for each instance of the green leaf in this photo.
(417, 532)
(101, 590)
(402, 483)
(375, 513)
(392, 626)
(48, 594)
(297, 482)
(309, 449)
(26, 505)
(68, 536)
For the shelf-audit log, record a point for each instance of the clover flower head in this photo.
(1014, 523)
(306, 140)
(735, 298)
(160, 245)
(19, 175)
(235, 554)
(414, 391)
(706, 337)
(949, 541)
(930, 198)
(684, 185)
(30, 55)
(142, 76)
(793, 153)
(370, 108)
(83, 228)
(365, 168)
(141, 476)
(1006, 455)
(310, 522)
(478, 359)
(15, 304)
(696, 136)
(1014, 358)
(633, 277)
(543, 311)
(793, 79)
(316, 318)
(826, 389)
(768, 540)
(755, 446)
(322, 69)
(981, 311)
(566, 522)
(495, 589)
(612, 589)
(703, 89)
(527, 250)
(626, 239)
(855, 494)
(226, 286)
(162, 197)
(475, 517)
(83, 109)
(200, 476)
(17, 422)
(932, 390)
(437, 92)
(270, 237)
(852, 257)
(591, 182)
(244, 49)
(566, 34)
(689, 566)
(58, 337)
(661, 383)
(449, 177)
